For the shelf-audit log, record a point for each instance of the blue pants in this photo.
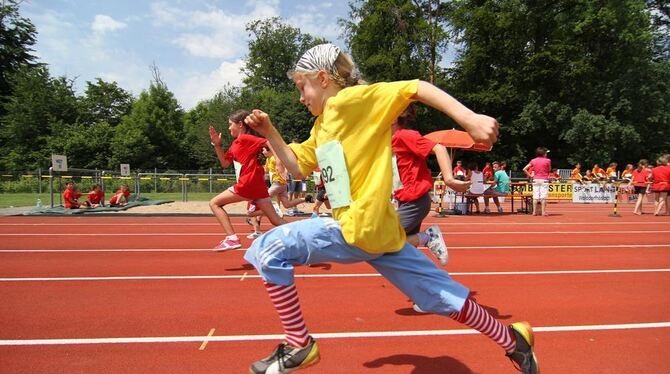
(314, 241)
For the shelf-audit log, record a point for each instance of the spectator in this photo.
(541, 166)
(641, 176)
(488, 172)
(598, 173)
(459, 171)
(627, 174)
(96, 197)
(660, 175)
(588, 177)
(70, 196)
(121, 196)
(477, 181)
(501, 188)
(611, 172)
(576, 174)
(554, 176)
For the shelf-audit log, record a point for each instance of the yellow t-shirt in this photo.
(271, 167)
(360, 118)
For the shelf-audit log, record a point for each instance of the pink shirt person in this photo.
(541, 166)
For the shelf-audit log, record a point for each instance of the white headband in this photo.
(322, 56)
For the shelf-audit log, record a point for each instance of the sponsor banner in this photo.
(557, 191)
(593, 193)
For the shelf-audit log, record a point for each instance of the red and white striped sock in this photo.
(285, 299)
(476, 317)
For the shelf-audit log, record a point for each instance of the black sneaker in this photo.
(287, 358)
(523, 356)
(309, 199)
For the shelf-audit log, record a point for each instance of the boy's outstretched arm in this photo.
(260, 121)
(482, 128)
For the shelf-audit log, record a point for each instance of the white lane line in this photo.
(170, 234)
(103, 250)
(332, 335)
(334, 275)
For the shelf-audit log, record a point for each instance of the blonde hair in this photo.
(338, 65)
(663, 160)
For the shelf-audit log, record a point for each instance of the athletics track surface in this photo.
(147, 296)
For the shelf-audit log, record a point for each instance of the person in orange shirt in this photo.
(611, 172)
(576, 174)
(598, 172)
(627, 174)
(588, 177)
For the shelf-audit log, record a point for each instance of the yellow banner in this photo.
(557, 191)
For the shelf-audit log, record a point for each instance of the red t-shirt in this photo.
(96, 197)
(245, 149)
(411, 150)
(661, 175)
(459, 171)
(114, 198)
(67, 196)
(640, 177)
(488, 172)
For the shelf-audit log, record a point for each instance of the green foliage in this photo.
(151, 135)
(105, 102)
(17, 36)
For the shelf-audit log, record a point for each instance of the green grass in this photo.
(8, 200)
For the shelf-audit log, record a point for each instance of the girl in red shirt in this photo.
(251, 182)
(96, 197)
(414, 203)
(121, 196)
(661, 177)
(639, 179)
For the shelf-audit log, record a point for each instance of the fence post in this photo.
(137, 184)
(51, 185)
(183, 188)
(39, 181)
(210, 180)
(616, 201)
(155, 180)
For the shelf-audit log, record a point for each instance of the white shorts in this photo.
(540, 189)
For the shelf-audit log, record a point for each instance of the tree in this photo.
(17, 36)
(274, 48)
(38, 107)
(151, 135)
(105, 102)
(549, 70)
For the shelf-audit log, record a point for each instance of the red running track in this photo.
(604, 288)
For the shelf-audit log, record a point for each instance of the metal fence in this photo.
(182, 182)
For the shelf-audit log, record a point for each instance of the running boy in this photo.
(411, 150)
(351, 143)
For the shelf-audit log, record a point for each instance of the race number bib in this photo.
(237, 167)
(334, 173)
(397, 183)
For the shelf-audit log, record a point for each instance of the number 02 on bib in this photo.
(334, 173)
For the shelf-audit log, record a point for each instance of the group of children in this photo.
(95, 198)
(359, 127)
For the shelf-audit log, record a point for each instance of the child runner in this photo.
(251, 183)
(279, 187)
(321, 198)
(661, 178)
(351, 142)
(411, 150)
(639, 181)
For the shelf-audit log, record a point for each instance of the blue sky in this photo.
(199, 46)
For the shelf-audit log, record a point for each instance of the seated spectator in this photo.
(611, 172)
(459, 171)
(70, 196)
(627, 174)
(598, 173)
(96, 197)
(576, 174)
(477, 181)
(501, 188)
(488, 172)
(121, 196)
(554, 176)
(588, 177)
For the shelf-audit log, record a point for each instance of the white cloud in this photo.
(103, 23)
(196, 87)
(213, 33)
